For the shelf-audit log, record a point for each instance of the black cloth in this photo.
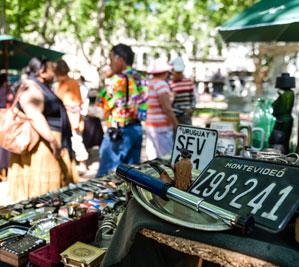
(280, 249)
(158, 255)
(93, 132)
(56, 115)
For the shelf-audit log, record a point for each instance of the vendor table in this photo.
(140, 237)
(206, 252)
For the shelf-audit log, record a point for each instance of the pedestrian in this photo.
(68, 90)
(121, 99)
(93, 132)
(48, 166)
(161, 120)
(184, 93)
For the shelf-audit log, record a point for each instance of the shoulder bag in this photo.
(16, 132)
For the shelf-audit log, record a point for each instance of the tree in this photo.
(37, 21)
(97, 24)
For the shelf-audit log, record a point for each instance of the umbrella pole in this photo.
(5, 57)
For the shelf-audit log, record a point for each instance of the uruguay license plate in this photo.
(268, 191)
(200, 142)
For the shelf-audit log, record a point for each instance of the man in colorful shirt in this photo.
(121, 100)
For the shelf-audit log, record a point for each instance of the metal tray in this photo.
(12, 230)
(42, 228)
(174, 212)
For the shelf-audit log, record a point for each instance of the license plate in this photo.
(200, 142)
(268, 191)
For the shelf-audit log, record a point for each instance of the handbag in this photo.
(16, 132)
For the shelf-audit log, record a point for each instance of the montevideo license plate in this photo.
(200, 142)
(266, 190)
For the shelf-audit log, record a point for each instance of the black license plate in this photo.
(268, 191)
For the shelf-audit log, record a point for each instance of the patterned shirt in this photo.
(120, 109)
(155, 116)
(184, 97)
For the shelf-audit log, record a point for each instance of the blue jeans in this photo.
(127, 150)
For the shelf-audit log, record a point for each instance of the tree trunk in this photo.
(103, 44)
(3, 18)
(259, 73)
(45, 24)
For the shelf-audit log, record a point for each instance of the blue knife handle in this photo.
(143, 180)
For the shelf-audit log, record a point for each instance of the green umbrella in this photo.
(266, 21)
(15, 54)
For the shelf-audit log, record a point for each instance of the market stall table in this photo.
(129, 247)
(45, 226)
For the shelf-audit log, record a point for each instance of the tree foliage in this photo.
(95, 25)
(39, 21)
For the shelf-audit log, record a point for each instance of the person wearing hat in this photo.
(183, 90)
(161, 120)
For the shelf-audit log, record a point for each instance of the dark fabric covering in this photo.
(157, 256)
(93, 132)
(280, 249)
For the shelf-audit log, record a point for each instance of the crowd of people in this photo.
(131, 104)
(169, 101)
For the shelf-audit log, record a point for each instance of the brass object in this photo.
(83, 255)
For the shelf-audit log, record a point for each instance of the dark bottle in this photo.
(282, 110)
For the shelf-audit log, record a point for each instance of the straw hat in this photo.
(159, 66)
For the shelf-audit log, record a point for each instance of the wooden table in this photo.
(206, 252)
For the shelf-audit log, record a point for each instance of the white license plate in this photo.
(200, 142)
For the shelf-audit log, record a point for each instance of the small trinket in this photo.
(72, 208)
(89, 196)
(81, 254)
(63, 212)
(79, 211)
(183, 171)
